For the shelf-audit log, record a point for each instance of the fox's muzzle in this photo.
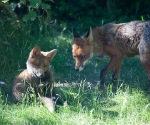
(35, 71)
(39, 74)
(79, 68)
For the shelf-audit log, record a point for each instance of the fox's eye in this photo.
(37, 64)
(74, 57)
(82, 56)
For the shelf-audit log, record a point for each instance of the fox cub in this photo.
(37, 78)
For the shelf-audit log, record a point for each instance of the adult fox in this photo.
(116, 41)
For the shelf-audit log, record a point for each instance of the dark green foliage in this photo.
(85, 13)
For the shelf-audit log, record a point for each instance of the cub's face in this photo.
(38, 62)
(82, 49)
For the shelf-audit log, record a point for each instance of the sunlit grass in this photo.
(123, 107)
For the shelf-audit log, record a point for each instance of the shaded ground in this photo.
(132, 73)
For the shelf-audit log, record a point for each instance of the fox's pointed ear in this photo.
(51, 54)
(90, 37)
(35, 51)
(75, 33)
(86, 34)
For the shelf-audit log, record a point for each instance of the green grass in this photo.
(129, 105)
(124, 107)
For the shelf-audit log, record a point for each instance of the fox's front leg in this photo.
(113, 64)
(102, 79)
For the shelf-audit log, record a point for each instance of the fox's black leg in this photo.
(114, 79)
(101, 82)
(114, 63)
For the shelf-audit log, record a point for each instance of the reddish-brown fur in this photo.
(116, 41)
(37, 78)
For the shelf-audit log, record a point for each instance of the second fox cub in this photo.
(37, 78)
(116, 41)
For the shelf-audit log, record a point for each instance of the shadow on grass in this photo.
(132, 73)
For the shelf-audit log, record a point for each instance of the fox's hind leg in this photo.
(144, 51)
(145, 60)
(116, 72)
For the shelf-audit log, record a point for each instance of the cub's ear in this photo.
(51, 54)
(75, 33)
(35, 51)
